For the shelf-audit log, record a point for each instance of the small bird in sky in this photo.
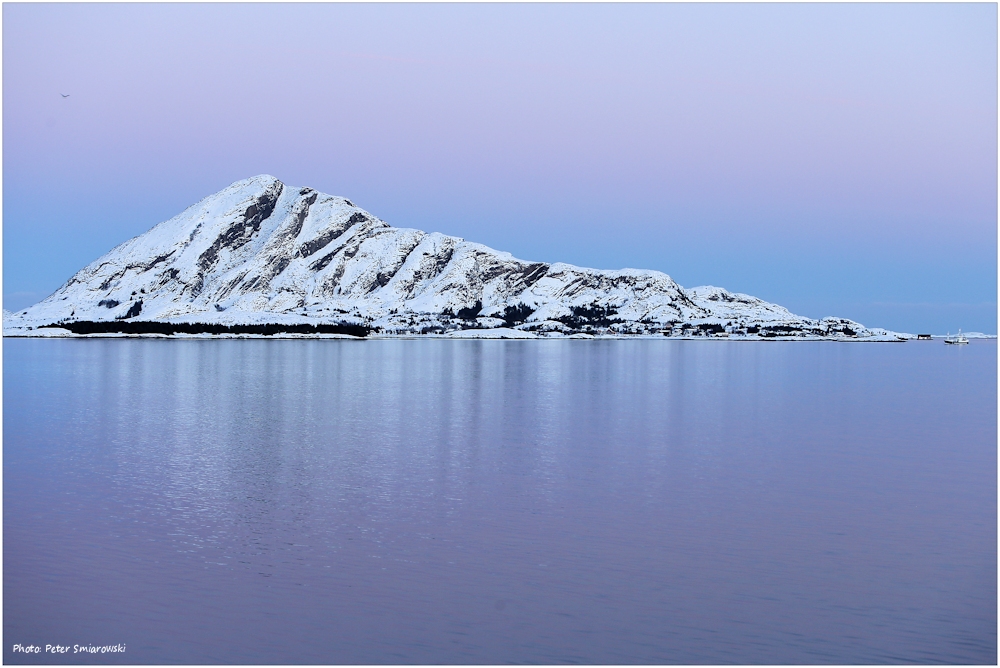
(64, 95)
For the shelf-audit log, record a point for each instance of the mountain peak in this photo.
(260, 179)
(260, 251)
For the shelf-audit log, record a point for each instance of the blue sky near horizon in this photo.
(837, 159)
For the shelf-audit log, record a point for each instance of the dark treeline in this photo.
(150, 327)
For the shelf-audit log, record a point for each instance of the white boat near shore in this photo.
(957, 339)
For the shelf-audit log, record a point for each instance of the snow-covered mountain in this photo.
(263, 253)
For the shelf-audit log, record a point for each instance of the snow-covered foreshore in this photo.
(501, 333)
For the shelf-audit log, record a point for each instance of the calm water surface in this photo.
(253, 501)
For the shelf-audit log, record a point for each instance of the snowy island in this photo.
(261, 258)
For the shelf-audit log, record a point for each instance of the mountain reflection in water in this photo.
(427, 501)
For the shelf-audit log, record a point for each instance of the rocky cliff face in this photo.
(263, 253)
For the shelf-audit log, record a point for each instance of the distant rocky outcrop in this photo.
(263, 257)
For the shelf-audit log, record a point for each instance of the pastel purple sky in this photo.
(838, 159)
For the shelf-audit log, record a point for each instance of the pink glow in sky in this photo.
(839, 159)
